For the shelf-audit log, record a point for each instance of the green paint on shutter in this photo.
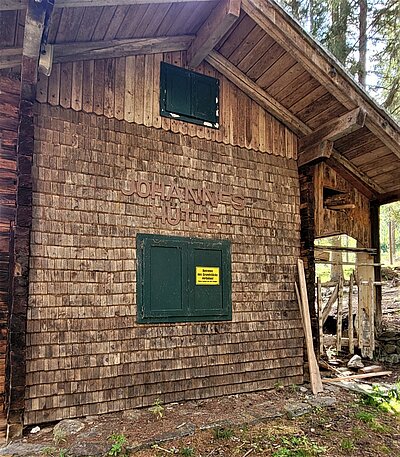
(166, 279)
(188, 96)
(204, 98)
(178, 86)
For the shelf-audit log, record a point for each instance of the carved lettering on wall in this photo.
(172, 203)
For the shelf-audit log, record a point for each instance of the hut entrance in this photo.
(345, 295)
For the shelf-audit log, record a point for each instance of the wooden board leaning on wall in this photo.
(127, 88)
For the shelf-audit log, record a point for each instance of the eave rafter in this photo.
(315, 152)
(221, 19)
(10, 5)
(257, 94)
(335, 129)
(67, 52)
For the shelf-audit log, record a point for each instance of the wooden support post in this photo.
(351, 329)
(339, 316)
(320, 317)
(375, 242)
(307, 213)
(365, 270)
(371, 295)
(16, 362)
(360, 317)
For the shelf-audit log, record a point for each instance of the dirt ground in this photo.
(284, 422)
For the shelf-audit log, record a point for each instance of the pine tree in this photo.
(362, 42)
(386, 25)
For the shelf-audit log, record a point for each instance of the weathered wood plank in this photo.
(315, 152)
(256, 93)
(77, 81)
(68, 52)
(10, 57)
(221, 19)
(9, 5)
(335, 129)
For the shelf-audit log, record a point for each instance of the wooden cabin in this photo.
(152, 207)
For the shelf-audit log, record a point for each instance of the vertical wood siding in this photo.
(128, 88)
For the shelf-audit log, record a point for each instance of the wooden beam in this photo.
(7, 5)
(388, 197)
(322, 66)
(357, 178)
(67, 52)
(335, 129)
(322, 150)
(257, 94)
(16, 364)
(221, 19)
(10, 57)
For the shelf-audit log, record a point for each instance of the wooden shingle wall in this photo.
(128, 88)
(85, 352)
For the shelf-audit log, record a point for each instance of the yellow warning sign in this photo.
(207, 276)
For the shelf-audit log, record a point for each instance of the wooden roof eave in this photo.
(12, 5)
(275, 21)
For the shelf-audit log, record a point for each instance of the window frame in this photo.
(192, 81)
(189, 313)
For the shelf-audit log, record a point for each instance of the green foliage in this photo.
(118, 445)
(387, 400)
(386, 25)
(59, 437)
(157, 409)
(347, 444)
(54, 452)
(298, 446)
(222, 433)
(187, 452)
(365, 416)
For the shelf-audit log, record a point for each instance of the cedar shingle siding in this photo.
(86, 353)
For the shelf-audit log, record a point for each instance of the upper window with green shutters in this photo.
(189, 96)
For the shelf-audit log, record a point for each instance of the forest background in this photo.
(364, 36)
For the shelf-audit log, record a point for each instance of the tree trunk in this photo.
(362, 44)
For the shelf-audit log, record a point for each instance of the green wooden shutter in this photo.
(178, 90)
(191, 96)
(205, 98)
(167, 290)
(162, 279)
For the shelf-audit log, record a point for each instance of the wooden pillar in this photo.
(16, 359)
(375, 243)
(307, 214)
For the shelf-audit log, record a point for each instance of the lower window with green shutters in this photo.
(183, 279)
